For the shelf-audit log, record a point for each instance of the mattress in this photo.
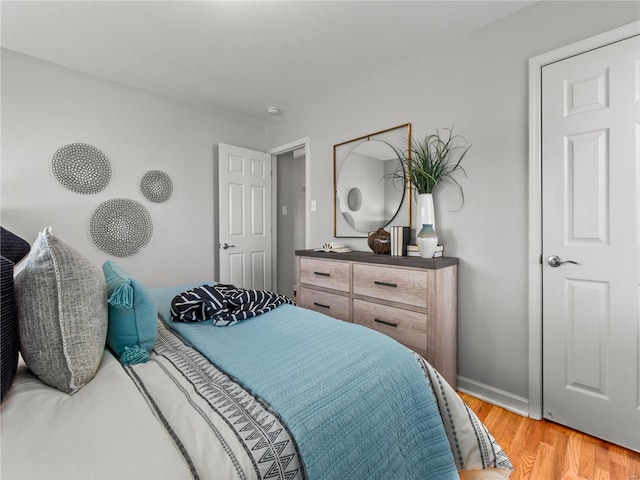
(104, 431)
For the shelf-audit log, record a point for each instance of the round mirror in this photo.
(369, 195)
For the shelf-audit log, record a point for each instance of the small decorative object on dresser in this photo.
(380, 241)
(413, 300)
(427, 241)
(333, 247)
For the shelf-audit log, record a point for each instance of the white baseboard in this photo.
(501, 398)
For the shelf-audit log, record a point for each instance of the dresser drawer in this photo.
(408, 328)
(388, 283)
(325, 273)
(336, 306)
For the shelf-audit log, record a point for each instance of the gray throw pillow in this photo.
(62, 314)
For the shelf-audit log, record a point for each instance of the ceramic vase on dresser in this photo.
(425, 212)
(426, 237)
(427, 241)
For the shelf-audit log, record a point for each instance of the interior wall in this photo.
(46, 106)
(479, 85)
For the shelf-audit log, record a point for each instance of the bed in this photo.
(286, 394)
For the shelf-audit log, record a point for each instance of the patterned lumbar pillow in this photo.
(12, 250)
(133, 316)
(62, 314)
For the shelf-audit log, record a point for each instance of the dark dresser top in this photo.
(370, 257)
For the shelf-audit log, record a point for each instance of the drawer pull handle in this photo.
(385, 284)
(391, 324)
(323, 274)
(321, 305)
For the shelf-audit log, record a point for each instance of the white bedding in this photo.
(104, 431)
(174, 417)
(223, 431)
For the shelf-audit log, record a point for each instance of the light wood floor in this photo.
(543, 450)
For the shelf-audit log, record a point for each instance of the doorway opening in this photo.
(290, 214)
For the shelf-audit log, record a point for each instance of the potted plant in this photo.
(427, 163)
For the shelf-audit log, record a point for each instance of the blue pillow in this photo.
(133, 316)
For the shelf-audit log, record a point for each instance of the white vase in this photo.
(425, 211)
(427, 241)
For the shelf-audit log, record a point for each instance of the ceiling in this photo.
(240, 57)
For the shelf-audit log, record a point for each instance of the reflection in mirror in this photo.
(368, 193)
(354, 199)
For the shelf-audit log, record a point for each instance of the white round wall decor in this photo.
(156, 186)
(121, 227)
(81, 168)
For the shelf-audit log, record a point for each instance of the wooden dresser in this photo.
(411, 299)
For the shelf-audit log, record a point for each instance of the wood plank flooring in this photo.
(543, 450)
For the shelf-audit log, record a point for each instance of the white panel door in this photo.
(591, 205)
(244, 189)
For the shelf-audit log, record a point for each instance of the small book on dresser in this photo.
(399, 240)
(412, 251)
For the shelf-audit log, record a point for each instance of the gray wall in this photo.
(480, 85)
(45, 106)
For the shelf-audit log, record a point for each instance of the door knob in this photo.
(554, 261)
(225, 245)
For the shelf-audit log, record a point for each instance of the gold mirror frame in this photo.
(398, 138)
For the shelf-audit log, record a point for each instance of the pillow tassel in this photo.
(122, 296)
(134, 355)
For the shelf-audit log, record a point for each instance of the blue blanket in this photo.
(356, 401)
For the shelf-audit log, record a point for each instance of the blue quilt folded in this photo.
(356, 401)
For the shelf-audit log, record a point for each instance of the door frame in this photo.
(535, 196)
(274, 152)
